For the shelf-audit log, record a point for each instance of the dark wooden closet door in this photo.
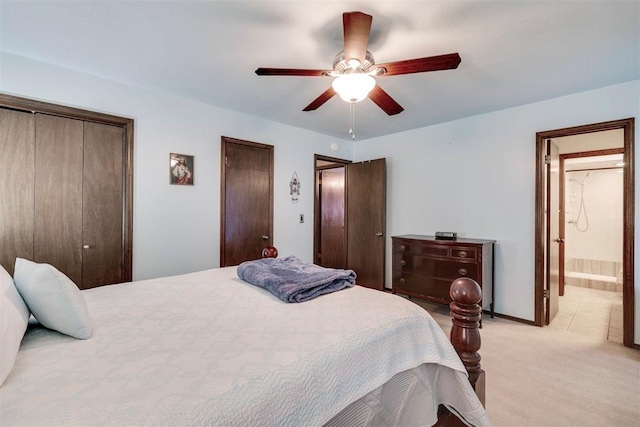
(247, 201)
(102, 254)
(17, 145)
(58, 194)
(366, 205)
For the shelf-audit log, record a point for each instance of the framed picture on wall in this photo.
(181, 170)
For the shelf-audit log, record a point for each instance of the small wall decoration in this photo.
(180, 169)
(294, 188)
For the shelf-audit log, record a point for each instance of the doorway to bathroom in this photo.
(585, 230)
(591, 223)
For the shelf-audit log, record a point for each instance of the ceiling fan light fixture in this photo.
(353, 87)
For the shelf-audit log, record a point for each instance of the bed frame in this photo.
(466, 314)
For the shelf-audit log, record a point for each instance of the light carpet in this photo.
(550, 377)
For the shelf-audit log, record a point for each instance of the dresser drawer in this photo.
(422, 286)
(434, 250)
(463, 253)
(452, 270)
(417, 264)
(427, 266)
(402, 246)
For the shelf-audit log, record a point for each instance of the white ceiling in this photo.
(513, 52)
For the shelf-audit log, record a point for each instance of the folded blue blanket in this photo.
(293, 280)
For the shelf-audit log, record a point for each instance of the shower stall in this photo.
(593, 224)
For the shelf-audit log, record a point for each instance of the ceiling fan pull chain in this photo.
(352, 120)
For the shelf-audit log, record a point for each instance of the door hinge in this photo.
(226, 161)
(546, 293)
(547, 159)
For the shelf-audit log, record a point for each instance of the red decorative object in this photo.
(270, 252)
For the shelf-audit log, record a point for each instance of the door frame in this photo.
(552, 182)
(223, 184)
(627, 125)
(33, 106)
(316, 201)
(563, 209)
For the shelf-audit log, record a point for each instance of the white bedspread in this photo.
(209, 349)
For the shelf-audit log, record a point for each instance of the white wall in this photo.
(177, 228)
(476, 176)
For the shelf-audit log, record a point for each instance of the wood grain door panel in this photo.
(247, 201)
(332, 218)
(102, 228)
(48, 169)
(58, 194)
(17, 151)
(366, 203)
(246, 226)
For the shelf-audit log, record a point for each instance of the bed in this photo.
(207, 348)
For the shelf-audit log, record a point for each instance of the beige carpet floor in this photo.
(550, 377)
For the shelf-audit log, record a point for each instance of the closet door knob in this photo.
(403, 262)
(265, 237)
(379, 234)
(86, 247)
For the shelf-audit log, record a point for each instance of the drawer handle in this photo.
(403, 247)
(463, 271)
(402, 281)
(462, 254)
(403, 262)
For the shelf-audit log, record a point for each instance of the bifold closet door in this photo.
(17, 144)
(66, 190)
(79, 199)
(58, 194)
(102, 234)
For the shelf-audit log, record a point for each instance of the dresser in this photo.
(424, 267)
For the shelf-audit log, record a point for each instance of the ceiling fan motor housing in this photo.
(343, 66)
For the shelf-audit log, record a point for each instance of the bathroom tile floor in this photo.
(590, 312)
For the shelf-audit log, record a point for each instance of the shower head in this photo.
(583, 179)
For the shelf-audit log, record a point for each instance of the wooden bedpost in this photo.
(465, 332)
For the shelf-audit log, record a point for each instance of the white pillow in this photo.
(14, 316)
(54, 300)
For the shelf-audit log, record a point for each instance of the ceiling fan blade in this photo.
(290, 72)
(326, 95)
(421, 65)
(357, 26)
(384, 101)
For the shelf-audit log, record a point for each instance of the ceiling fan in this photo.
(354, 68)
